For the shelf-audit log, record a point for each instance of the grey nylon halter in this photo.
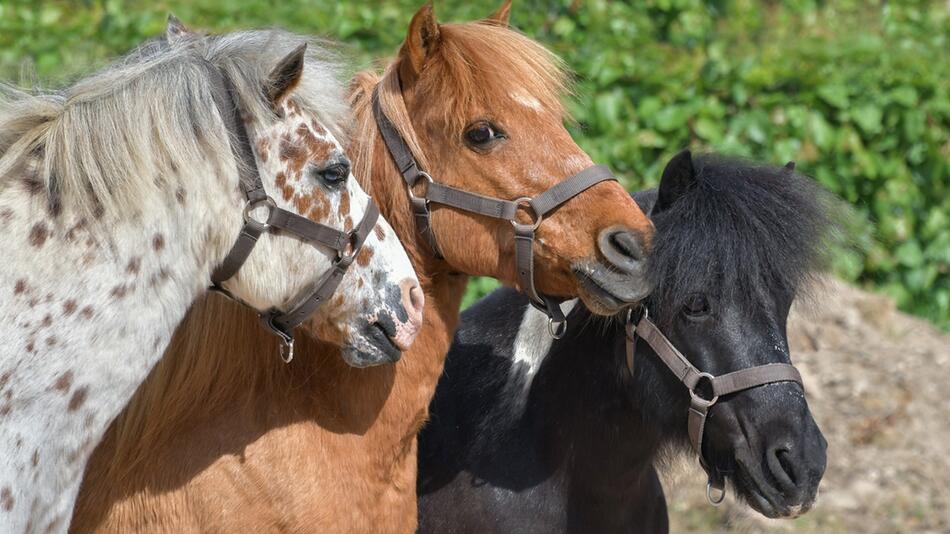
(691, 377)
(524, 234)
(346, 244)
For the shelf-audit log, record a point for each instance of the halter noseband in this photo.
(496, 208)
(692, 377)
(346, 244)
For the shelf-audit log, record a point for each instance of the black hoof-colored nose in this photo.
(623, 248)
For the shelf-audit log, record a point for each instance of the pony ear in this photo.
(501, 15)
(175, 29)
(678, 178)
(421, 42)
(285, 76)
(790, 165)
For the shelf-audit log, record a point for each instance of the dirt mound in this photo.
(877, 382)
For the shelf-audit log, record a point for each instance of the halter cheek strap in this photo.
(346, 244)
(496, 208)
(691, 377)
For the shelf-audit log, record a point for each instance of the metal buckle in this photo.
(537, 217)
(696, 399)
(251, 206)
(722, 493)
(422, 174)
(557, 332)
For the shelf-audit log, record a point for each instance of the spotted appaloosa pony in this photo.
(320, 447)
(533, 435)
(118, 198)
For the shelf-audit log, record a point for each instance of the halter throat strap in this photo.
(346, 244)
(691, 377)
(537, 207)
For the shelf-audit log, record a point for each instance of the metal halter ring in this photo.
(722, 494)
(422, 174)
(557, 332)
(526, 202)
(251, 206)
(695, 396)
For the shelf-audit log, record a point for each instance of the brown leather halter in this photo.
(691, 377)
(346, 244)
(496, 208)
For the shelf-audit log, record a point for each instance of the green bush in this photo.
(855, 92)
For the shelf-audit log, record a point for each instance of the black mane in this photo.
(743, 230)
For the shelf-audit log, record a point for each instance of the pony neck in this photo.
(94, 304)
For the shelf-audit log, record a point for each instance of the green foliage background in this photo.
(855, 92)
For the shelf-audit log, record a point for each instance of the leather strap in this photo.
(524, 234)
(346, 244)
(691, 377)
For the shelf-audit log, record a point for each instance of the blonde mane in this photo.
(219, 355)
(135, 129)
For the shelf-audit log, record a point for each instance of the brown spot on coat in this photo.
(64, 382)
(6, 499)
(344, 203)
(362, 259)
(380, 234)
(71, 233)
(30, 347)
(38, 235)
(19, 287)
(69, 307)
(47, 321)
(135, 264)
(119, 291)
(36, 458)
(6, 216)
(158, 242)
(51, 341)
(262, 147)
(292, 154)
(86, 312)
(78, 398)
(33, 185)
(4, 378)
(180, 196)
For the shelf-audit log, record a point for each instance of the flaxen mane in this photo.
(133, 130)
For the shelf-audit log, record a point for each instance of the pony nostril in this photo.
(783, 469)
(786, 464)
(621, 247)
(627, 244)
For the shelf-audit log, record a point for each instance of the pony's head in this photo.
(295, 109)
(735, 243)
(150, 134)
(479, 105)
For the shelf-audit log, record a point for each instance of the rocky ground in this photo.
(878, 383)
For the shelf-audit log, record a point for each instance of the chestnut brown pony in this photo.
(318, 446)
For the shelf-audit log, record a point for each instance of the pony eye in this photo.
(696, 306)
(482, 135)
(335, 174)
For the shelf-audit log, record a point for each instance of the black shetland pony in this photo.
(530, 434)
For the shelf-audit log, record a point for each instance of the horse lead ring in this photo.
(422, 174)
(557, 332)
(722, 494)
(525, 202)
(251, 206)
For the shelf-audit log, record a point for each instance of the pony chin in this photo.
(605, 291)
(369, 348)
